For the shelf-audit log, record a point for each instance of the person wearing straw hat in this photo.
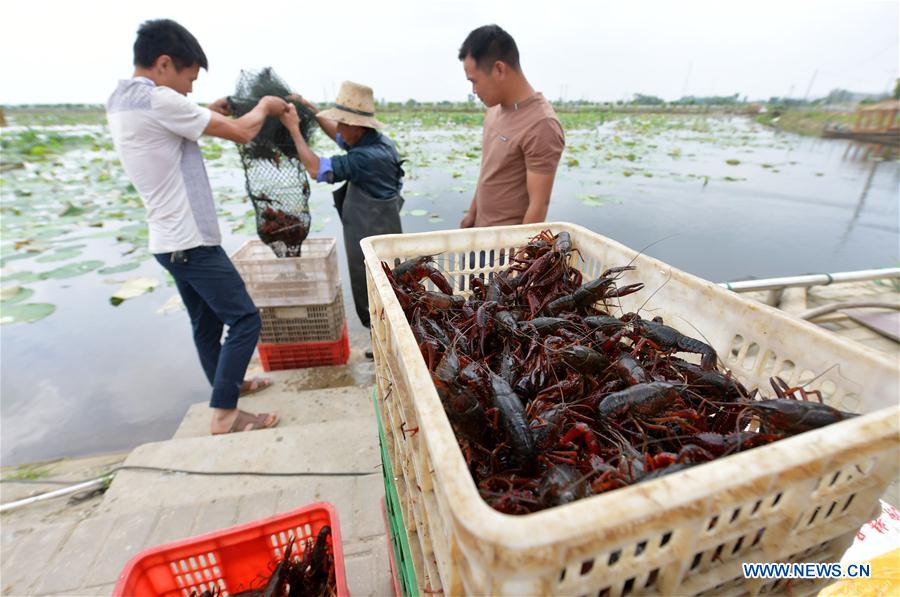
(369, 201)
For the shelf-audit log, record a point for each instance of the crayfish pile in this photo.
(553, 398)
(278, 226)
(308, 575)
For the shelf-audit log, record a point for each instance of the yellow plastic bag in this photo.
(885, 579)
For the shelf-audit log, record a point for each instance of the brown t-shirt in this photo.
(519, 138)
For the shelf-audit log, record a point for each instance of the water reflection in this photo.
(722, 198)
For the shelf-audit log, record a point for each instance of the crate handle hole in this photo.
(640, 548)
(750, 356)
(587, 566)
(759, 536)
(697, 558)
(736, 344)
(786, 370)
(849, 501)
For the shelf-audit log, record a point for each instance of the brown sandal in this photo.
(257, 384)
(245, 419)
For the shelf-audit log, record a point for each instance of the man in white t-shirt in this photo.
(155, 130)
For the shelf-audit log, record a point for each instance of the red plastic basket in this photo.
(275, 357)
(234, 559)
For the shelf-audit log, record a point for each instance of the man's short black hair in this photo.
(488, 44)
(165, 36)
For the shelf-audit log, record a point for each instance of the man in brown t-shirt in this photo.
(522, 141)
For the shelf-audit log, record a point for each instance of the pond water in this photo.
(723, 198)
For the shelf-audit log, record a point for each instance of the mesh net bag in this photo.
(275, 178)
(273, 139)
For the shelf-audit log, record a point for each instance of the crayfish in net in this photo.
(284, 232)
(276, 181)
(308, 573)
(554, 397)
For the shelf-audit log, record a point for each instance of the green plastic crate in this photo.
(399, 542)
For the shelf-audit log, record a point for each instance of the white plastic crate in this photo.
(311, 279)
(799, 499)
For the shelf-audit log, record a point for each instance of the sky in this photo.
(73, 52)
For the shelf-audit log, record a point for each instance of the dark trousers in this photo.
(214, 295)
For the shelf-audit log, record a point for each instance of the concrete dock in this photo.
(53, 548)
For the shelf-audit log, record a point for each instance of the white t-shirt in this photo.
(155, 131)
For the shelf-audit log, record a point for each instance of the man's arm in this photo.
(543, 147)
(310, 161)
(328, 125)
(469, 219)
(244, 129)
(539, 185)
(221, 106)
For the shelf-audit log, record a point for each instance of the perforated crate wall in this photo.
(297, 355)
(311, 279)
(303, 323)
(799, 499)
(233, 560)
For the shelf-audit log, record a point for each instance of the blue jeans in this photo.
(214, 295)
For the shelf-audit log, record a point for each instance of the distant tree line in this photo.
(834, 97)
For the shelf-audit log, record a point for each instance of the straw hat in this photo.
(355, 105)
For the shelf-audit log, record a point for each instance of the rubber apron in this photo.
(363, 215)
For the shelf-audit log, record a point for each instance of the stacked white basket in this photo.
(299, 298)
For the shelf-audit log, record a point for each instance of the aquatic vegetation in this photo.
(59, 255)
(72, 270)
(11, 295)
(68, 209)
(133, 288)
(25, 312)
(29, 472)
(590, 199)
(118, 269)
(173, 305)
